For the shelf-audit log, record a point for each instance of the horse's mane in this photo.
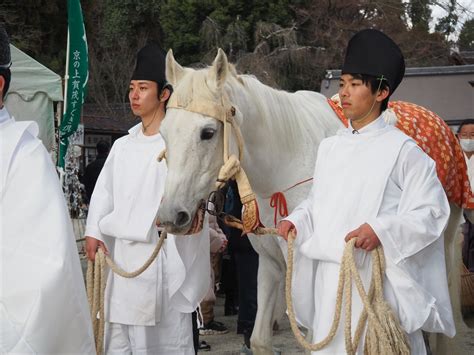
(289, 117)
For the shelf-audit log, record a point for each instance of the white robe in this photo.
(43, 303)
(470, 169)
(382, 178)
(122, 214)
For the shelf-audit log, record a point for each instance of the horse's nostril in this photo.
(182, 218)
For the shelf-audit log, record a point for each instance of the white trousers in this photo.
(327, 276)
(173, 335)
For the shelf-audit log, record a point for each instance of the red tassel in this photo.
(278, 202)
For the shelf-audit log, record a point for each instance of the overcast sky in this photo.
(465, 11)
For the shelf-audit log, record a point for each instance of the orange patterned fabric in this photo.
(336, 106)
(434, 136)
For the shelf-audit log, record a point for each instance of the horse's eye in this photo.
(207, 133)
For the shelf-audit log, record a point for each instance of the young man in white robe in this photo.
(151, 313)
(373, 183)
(43, 302)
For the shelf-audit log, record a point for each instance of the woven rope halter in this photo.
(225, 112)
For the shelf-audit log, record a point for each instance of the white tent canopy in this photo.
(33, 90)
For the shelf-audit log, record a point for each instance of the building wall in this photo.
(450, 95)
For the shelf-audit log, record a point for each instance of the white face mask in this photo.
(467, 144)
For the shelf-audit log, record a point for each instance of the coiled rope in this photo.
(384, 333)
(95, 279)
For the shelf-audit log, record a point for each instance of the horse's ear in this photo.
(219, 69)
(174, 71)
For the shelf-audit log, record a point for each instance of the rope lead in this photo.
(95, 279)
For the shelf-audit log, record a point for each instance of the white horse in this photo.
(281, 133)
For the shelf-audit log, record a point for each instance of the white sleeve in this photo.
(102, 201)
(43, 302)
(423, 210)
(413, 243)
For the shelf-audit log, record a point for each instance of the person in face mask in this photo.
(466, 139)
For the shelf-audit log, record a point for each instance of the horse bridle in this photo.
(225, 112)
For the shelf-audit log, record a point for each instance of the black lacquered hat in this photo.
(372, 52)
(5, 57)
(151, 64)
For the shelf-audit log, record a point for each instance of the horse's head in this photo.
(194, 140)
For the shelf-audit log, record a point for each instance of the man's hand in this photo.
(366, 237)
(284, 227)
(92, 245)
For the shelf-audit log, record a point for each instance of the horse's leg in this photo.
(280, 305)
(270, 275)
(452, 238)
(280, 310)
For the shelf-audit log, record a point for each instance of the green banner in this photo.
(76, 75)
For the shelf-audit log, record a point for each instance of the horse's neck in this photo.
(279, 151)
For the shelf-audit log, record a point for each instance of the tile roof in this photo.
(117, 118)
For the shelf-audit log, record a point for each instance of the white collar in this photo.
(375, 125)
(135, 129)
(4, 115)
(466, 157)
(137, 132)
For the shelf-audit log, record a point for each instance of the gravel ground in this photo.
(285, 343)
(232, 343)
(466, 336)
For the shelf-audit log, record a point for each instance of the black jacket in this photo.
(92, 173)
